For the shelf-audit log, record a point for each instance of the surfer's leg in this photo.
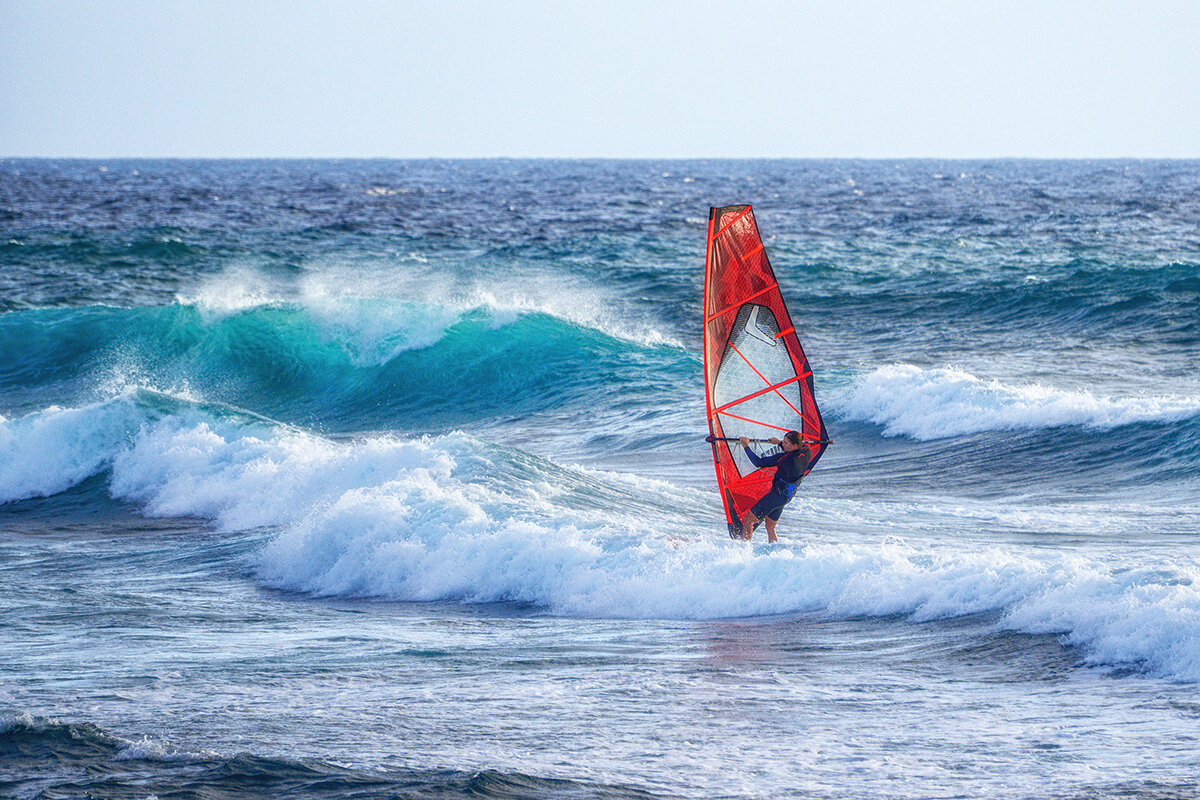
(749, 523)
(772, 519)
(767, 508)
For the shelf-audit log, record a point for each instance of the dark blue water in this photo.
(387, 479)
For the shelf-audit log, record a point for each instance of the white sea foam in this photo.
(935, 403)
(233, 290)
(50, 451)
(452, 518)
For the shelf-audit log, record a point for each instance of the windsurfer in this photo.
(790, 466)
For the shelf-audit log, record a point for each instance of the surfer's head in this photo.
(791, 440)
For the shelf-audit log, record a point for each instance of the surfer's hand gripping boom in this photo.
(711, 439)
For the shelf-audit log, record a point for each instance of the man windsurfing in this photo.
(757, 380)
(790, 465)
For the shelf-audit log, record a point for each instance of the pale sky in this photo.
(533, 78)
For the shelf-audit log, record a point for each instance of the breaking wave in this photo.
(927, 404)
(457, 518)
(343, 363)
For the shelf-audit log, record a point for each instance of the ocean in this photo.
(387, 479)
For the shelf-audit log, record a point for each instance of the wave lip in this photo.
(927, 404)
(369, 306)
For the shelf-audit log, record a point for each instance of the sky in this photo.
(611, 79)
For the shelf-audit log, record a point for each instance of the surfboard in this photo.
(758, 383)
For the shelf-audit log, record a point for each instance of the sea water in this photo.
(388, 479)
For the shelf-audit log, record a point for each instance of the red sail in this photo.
(757, 380)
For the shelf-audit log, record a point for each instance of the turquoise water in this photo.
(388, 479)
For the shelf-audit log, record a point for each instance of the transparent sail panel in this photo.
(753, 361)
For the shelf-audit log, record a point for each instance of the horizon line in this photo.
(595, 158)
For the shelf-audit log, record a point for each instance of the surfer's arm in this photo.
(763, 461)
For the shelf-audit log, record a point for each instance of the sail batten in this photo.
(753, 360)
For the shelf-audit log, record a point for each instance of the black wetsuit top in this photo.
(789, 468)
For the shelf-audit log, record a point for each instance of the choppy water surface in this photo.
(387, 479)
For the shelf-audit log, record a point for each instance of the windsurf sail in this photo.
(757, 380)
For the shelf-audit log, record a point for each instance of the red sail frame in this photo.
(736, 272)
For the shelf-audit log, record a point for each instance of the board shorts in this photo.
(772, 503)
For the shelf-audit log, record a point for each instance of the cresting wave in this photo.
(373, 306)
(928, 404)
(457, 518)
(345, 363)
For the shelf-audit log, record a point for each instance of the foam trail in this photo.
(930, 404)
(452, 518)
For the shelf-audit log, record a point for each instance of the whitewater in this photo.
(375, 475)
